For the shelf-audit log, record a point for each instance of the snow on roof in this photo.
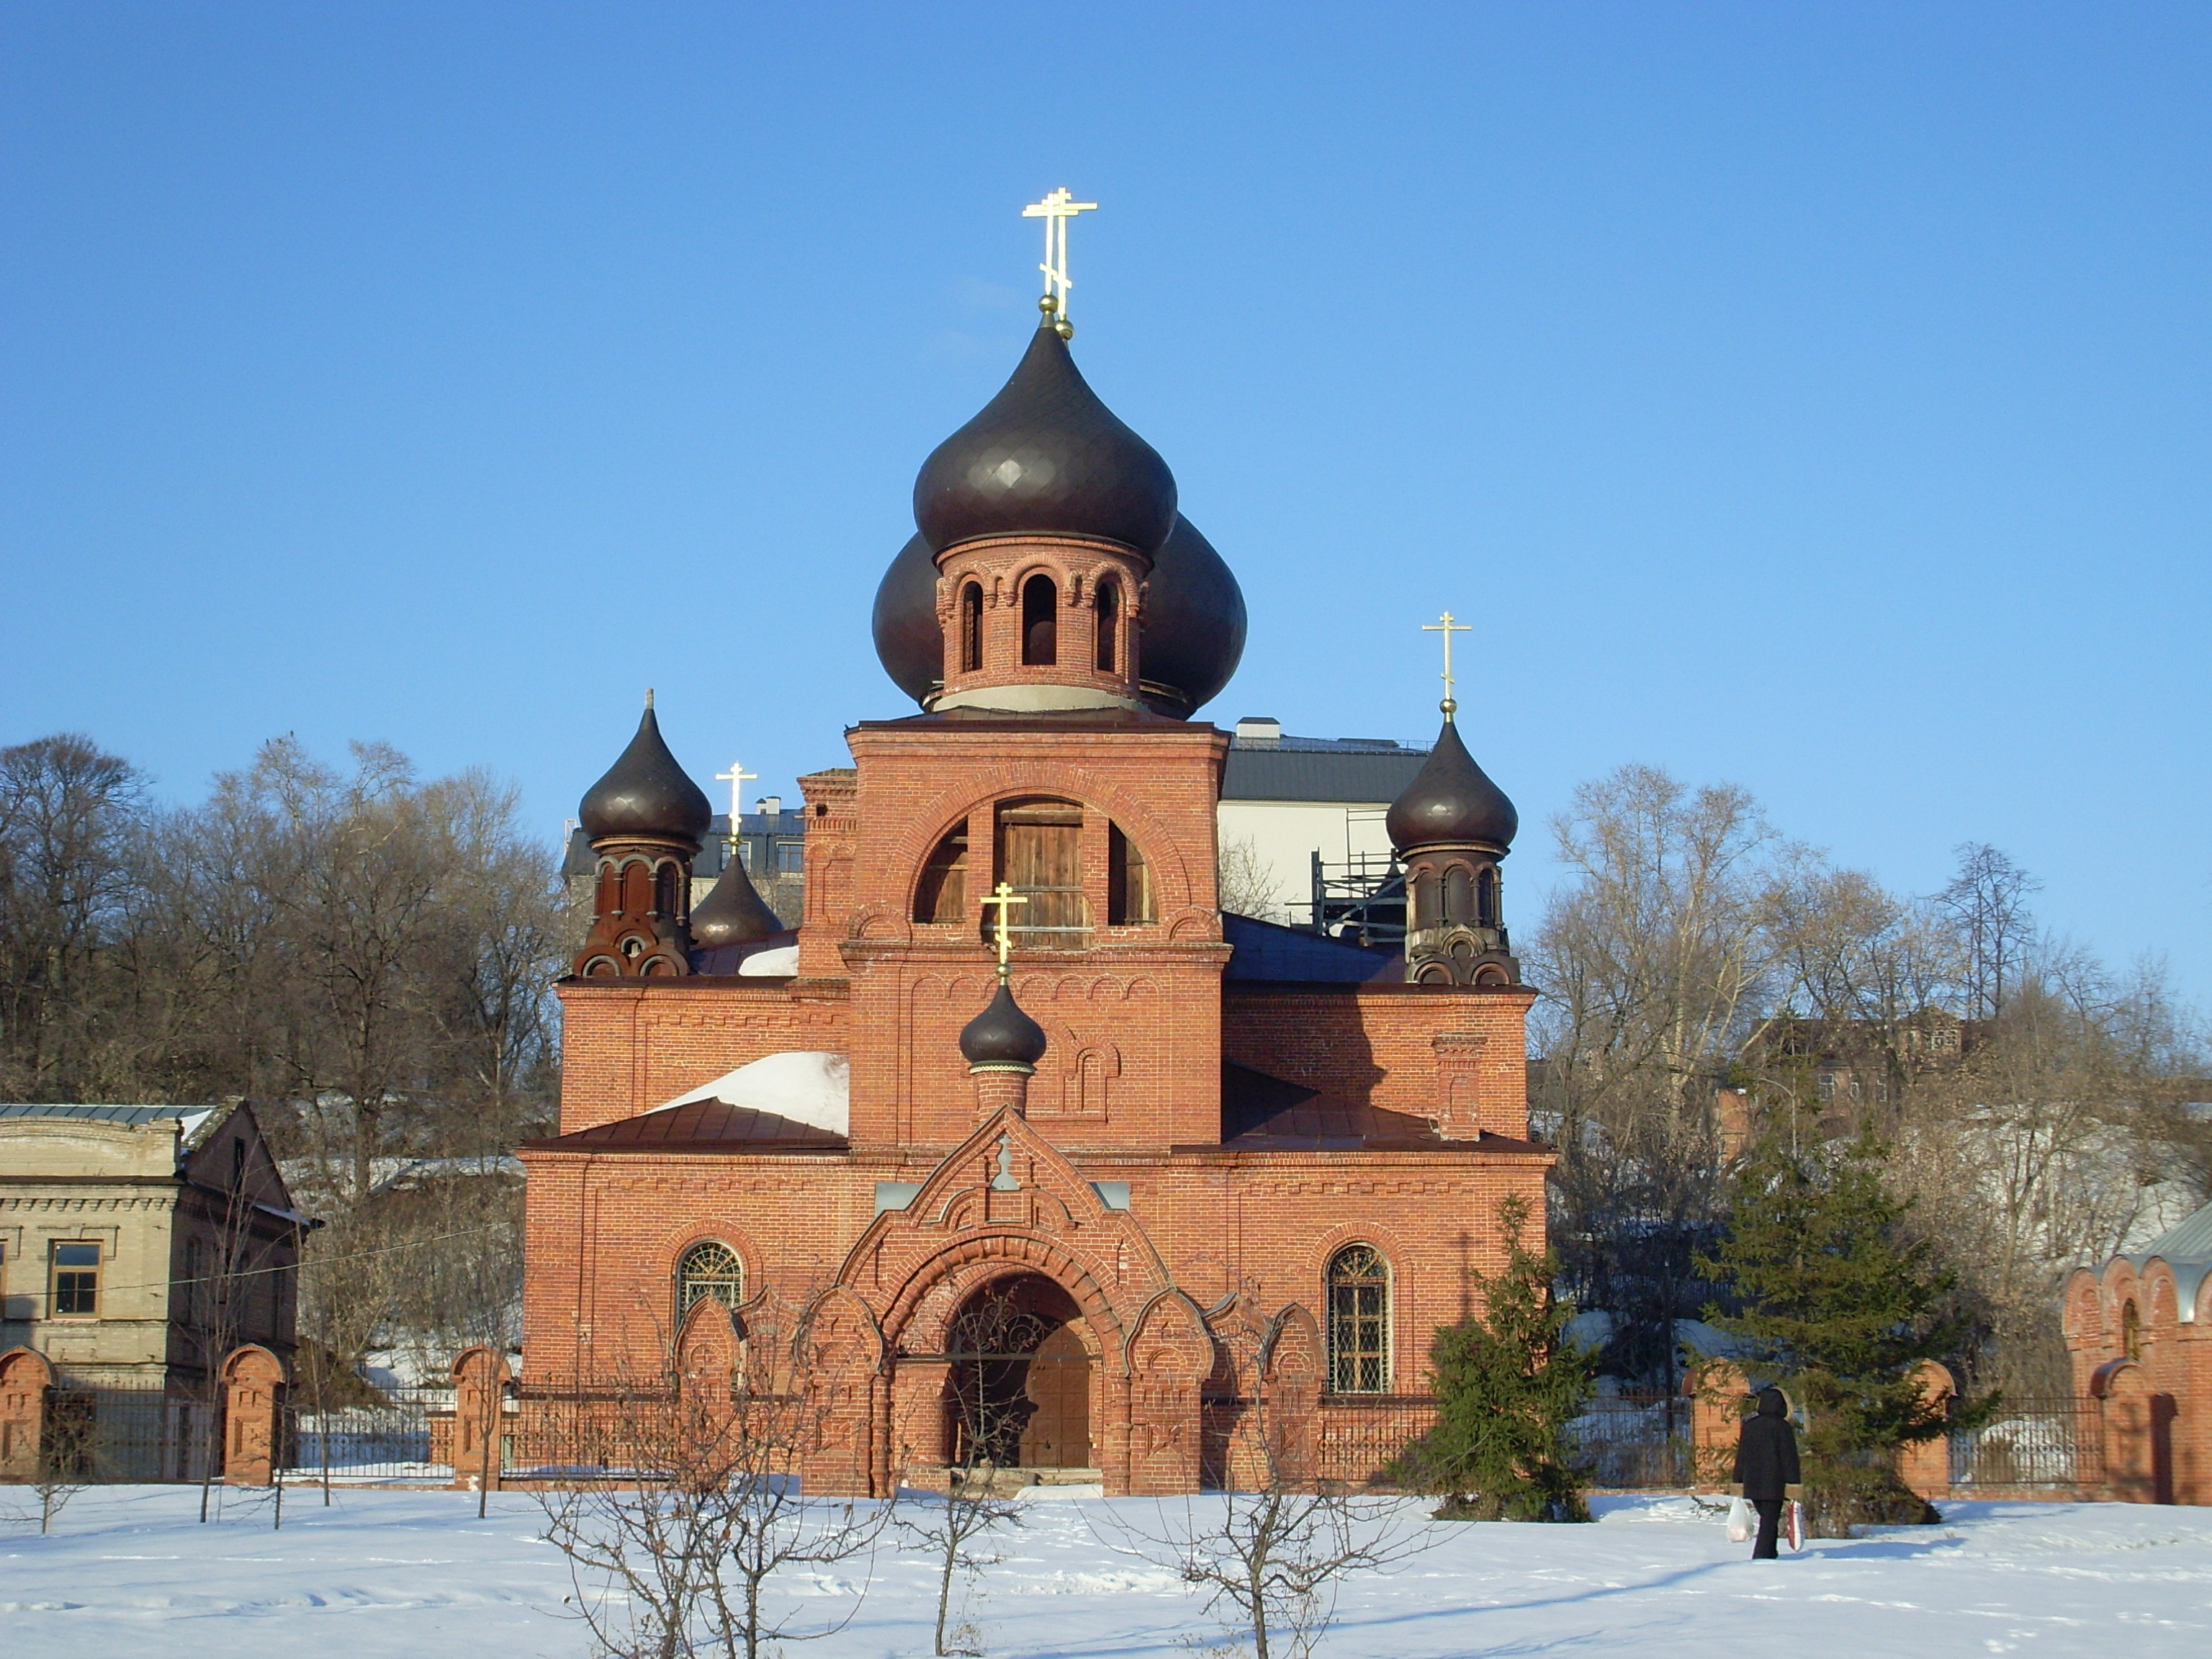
(807, 1085)
(105, 1114)
(780, 963)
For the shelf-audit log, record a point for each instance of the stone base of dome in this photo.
(1033, 699)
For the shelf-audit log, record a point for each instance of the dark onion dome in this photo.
(1194, 633)
(733, 913)
(646, 793)
(1002, 1037)
(1451, 802)
(1045, 457)
(909, 640)
(1194, 624)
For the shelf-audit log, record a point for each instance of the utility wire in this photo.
(318, 1262)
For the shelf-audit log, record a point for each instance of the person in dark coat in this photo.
(1766, 1469)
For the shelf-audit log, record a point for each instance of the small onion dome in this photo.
(1451, 802)
(1194, 623)
(733, 913)
(1002, 1038)
(646, 793)
(1045, 457)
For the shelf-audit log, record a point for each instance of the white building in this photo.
(1289, 804)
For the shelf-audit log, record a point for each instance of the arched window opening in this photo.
(1129, 897)
(711, 1269)
(1424, 897)
(942, 893)
(1359, 1321)
(664, 890)
(1486, 898)
(2130, 1331)
(1041, 858)
(1459, 895)
(971, 628)
(1107, 603)
(1040, 622)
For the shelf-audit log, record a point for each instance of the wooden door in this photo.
(1058, 1433)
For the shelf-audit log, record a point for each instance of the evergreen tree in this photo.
(1507, 1384)
(1842, 1304)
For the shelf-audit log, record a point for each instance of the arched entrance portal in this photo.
(1018, 1393)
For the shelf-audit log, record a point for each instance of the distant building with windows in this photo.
(140, 1244)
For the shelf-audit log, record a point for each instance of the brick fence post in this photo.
(25, 1382)
(2121, 1390)
(1719, 1390)
(253, 1414)
(480, 1380)
(1924, 1466)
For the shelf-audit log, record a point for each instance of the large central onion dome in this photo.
(1047, 458)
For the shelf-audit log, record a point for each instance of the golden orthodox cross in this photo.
(1448, 627)
(1004, 896)
(737, 777)
(1056, 209)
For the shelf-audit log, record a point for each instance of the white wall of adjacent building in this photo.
(1284, 834)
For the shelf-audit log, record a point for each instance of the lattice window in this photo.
(1359, 1321)
(76, 1280)
(711, 1269)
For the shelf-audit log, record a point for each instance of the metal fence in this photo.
(404, 1437)
(1633, 1440)
(2058, 1444)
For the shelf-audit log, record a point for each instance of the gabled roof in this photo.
(1264, 1114)
(704, 1126)
(2187, 1243)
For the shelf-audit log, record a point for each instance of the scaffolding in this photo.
(1361, 900)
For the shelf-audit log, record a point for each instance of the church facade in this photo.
(1016, 1052)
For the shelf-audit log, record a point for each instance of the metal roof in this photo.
(1363, 771)
(101, 1114)
(2188, 1242)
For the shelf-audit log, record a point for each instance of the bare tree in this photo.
(1271, 1552)
(1655, 963)
(68, 811)
(678, 1552)
(1246, 882)
(991, 1333)
(1987, 903)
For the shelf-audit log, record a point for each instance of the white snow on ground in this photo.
(394, 1575)
(807, 1085)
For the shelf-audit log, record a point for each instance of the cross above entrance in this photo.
(1447, 627)
(1002, 897)
(1056, 209)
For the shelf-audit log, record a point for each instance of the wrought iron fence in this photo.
(405, 1437)
(103, 1436)
(1359, 1434)
(2032, 1443)
(1633, 1440)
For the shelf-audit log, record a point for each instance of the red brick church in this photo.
(1211, 1156)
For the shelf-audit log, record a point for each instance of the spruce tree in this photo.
(1507, 1384)
(1842, 1304)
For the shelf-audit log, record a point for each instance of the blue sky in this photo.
(1811, 397)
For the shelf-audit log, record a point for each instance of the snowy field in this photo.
(384, 1575)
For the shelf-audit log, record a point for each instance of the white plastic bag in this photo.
(1742, 1522)
(1795, 1530)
